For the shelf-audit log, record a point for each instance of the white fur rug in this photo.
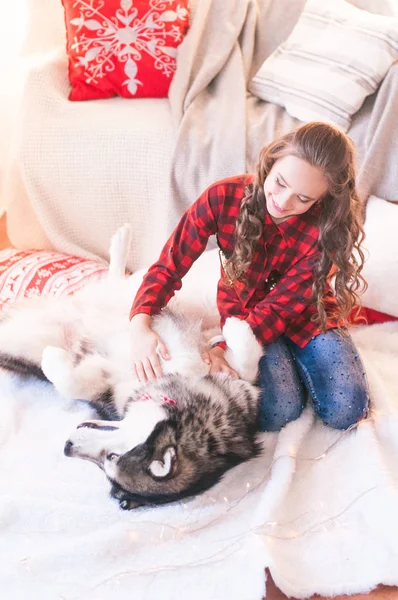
(319, 508)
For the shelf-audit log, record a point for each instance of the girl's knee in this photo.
(341, 412)
(283, 395)
(275, 415)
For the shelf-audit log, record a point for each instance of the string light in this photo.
(330, 519)
(249, 490)
(201, 562)
(235, 548)
(237, 540)
(330, 448)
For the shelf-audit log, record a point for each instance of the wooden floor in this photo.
(273, 593)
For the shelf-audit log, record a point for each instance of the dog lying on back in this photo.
(158, 442)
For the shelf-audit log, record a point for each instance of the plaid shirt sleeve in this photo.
(286, 302)
(185, 245)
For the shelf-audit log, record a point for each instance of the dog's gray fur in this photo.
(192, 426)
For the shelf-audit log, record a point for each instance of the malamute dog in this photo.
(159, 442)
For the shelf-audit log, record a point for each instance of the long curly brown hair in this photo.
(341, 217)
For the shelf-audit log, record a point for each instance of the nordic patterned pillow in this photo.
(123, 47)
(336, 55)
(27, 273)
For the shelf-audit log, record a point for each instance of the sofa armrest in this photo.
(85, 168)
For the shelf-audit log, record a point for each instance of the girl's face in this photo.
(292, 187)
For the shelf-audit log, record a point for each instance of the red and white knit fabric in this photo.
(27, 273)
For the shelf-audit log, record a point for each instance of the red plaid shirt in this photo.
(287, 253)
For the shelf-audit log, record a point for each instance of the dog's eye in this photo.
(112, 456)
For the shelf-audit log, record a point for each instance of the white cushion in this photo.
(336, 55)
(381, 266)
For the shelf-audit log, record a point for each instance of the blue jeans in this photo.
(329, 368)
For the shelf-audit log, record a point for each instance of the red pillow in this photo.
(123, 47)
(26, 273)
(369, 316)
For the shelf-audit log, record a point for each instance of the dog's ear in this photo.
(167, 466)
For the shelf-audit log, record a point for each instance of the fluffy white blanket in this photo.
(318, 508)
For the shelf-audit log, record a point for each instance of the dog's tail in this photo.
(21, 367)
(118, 252)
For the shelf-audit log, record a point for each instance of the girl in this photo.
(281, 233)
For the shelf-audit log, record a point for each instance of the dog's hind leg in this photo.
(21, 367)
(118, 252)
(86, 380)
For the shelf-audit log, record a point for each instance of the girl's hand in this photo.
(216, 359)
(146, 347)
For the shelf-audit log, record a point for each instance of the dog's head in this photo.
(161, 460)
(156, 471)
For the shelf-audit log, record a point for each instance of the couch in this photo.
(80, 169)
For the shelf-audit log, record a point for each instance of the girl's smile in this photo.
(292, 186)
(278, 208)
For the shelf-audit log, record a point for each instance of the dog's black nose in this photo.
(68, 448)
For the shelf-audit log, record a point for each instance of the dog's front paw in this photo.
(243, 349)
(126, 504)
(236, 331)
(123, 498)
(55, 363)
